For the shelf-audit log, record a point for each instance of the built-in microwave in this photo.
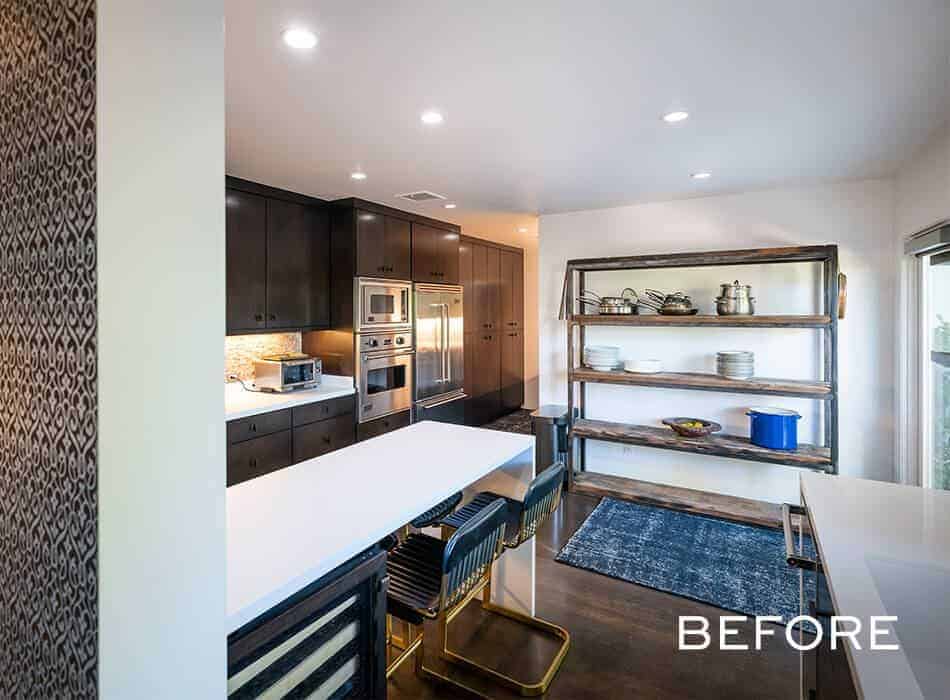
(382, 304)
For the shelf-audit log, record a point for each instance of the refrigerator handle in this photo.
(445, 344)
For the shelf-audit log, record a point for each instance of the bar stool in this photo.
(433, 579)
(523, 520)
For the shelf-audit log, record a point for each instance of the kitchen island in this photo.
(292, 535)
(884, 550)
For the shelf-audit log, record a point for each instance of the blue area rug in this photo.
(740, 568)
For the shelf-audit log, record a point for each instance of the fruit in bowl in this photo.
(692, 427)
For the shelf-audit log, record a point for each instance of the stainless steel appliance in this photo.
(439, 353)
(382, 304)
(287, 372)
(384, 373)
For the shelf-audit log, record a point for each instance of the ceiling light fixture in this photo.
(431, 117)
(450, 206)
(299, 38)
(700, 176)
(523, 229)
(358, 175)
(674, 117)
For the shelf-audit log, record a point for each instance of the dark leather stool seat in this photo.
(468, 511)
(415, 578)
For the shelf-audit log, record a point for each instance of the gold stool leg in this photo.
(528, 689)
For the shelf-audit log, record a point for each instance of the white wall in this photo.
(923, 186)
(858, 216)
(160, 114)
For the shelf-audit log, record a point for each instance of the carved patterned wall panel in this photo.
(48, 608)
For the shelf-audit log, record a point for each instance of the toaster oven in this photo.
(287, 372)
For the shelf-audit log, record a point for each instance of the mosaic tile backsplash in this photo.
(240, 351)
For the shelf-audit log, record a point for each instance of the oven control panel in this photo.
(397, 340)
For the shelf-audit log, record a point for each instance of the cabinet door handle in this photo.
(258, 317)
(272, 317)
(253, 427)
(253, 463)
(326, 439)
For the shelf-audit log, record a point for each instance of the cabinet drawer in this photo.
(315, 439)
(253, 458)
(370, 429)
(322, 410)
(258, 426)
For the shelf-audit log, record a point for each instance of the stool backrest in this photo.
(470, 551)
(540, 500)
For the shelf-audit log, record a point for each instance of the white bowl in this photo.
(643, 366)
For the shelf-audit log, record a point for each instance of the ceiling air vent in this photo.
(421, 196)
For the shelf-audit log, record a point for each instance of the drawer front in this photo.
(370, 429)
(315, 439)
(322, 410)
(253, 458)
(258, 426)
(330, 642)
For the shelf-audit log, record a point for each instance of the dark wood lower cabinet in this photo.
(386, 424)
(266, 442)
(253, 458)
(512, 370)
(327, 641)
(325, 436)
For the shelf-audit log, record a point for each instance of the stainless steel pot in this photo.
(735, 300)
(621, 305)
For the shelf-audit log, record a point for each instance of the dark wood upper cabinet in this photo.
(298, 270)
(435, 255)
(383, 246)
(466, 279)
(511, 289)
(245, 255)
(485, 265)
(277, 259)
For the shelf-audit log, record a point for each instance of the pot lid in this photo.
(771, 411)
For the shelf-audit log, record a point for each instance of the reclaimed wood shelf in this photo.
(941, 358)
(717, 445)
(706, 382)
(702, 321)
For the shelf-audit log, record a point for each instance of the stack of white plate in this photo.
(735, 364)
(602, 357)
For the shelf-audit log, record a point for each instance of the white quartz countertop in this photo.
(289, 528)
(885, 549)
(240, 403)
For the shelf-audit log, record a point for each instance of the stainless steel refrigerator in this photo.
(440, 355)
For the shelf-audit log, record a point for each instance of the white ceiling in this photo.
(554, 106)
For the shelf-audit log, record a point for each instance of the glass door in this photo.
(935, 397)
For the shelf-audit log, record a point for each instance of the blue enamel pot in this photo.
(775, 428)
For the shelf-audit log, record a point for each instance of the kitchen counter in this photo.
(289, 528)
(885, 550)
(240, 403)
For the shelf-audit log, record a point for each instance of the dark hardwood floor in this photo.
(623, 639)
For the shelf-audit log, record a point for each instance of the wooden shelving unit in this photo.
(821, 457)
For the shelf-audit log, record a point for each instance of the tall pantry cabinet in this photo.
(492, 276)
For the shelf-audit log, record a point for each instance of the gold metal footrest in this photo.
(527, 689)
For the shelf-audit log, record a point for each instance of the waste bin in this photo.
(549, 425)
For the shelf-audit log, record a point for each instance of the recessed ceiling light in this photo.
(522, 229)
(431, 117)
(450, 206)
(700, 176)
(673, 117)
(358, 175)
(299, 38)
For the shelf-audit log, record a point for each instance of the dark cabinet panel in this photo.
(347, 604)
(485, 266)
(398, 248)
(511, 289)
(486, 384)
(254, 458)
(245, 255)
(386, 424)
(370, 244)
(466, 280)
(322, 410)
(315, 439)
(384, 246)
(298, 272)
(435, 255)
(512, 370)
(258, 426)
